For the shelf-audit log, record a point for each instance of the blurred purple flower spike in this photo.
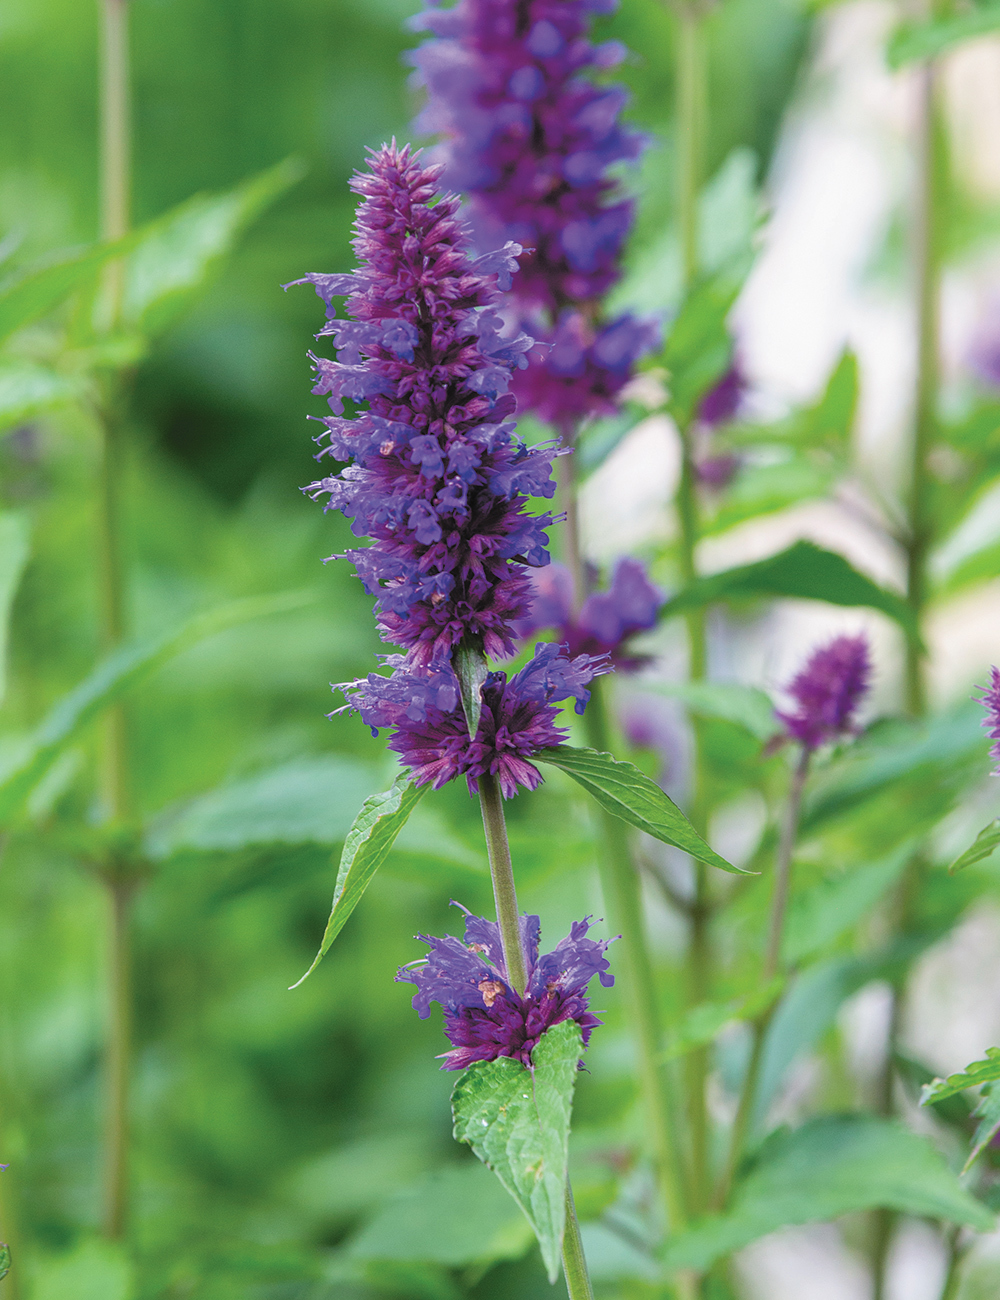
(518, 717)
(828, 691)
(532, 140)
(607, 618)
(483, 1017)
(990, 700)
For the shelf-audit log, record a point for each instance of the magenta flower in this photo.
(990, 700)
(438, 478)
(483, 1017)
(827, 692)
(518, 717)
(606, 619)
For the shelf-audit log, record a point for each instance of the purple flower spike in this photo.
(828, 691)
(990, 700)
(533, 141)
(607, 618)
(437, 477)
(483, 1017)
(518, 718)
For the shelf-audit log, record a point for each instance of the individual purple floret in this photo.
(827, 692)
(437, 477)
(431, 735)
(483, 1017)
(532, 139)
(606, 619)
(990, 700)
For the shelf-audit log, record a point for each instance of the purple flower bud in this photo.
(607, 618)
(722, 402)
(827, 692)
(990, 700)
(483, 1016)
(438, 478)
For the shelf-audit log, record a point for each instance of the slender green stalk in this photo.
(772, 962)
(931, 192)
(115, 142)
(691, 114)
(622, 890)
(956, 1255)
(504, 894)
(569, 504)
(505, 897)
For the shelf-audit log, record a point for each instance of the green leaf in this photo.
(13, 558)
(917, 41)
(838, 1164)
(26, 390)
(625, 792)
(821, 914)
(368, 842)
(983, 847)
(471, 669)
(988, 1114)
(94, 1270)
(746, 706)
(39, 289)
(702, 1023)
(803, 571)
(699, 346)
(517, 1122)
(4, 1260)
(117, 674)
(972, 1076)
(180, 250)
(454, 1217)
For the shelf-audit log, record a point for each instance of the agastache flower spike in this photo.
(828, 691)
(437, 477)
(531, 139)
(990, 700)
(606, 619)
(518, 717)
(483, 1016)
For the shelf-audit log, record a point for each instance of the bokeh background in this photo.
(273, 1130)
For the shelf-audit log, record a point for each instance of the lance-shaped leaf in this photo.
(26, 390)
(471, 669)
(803, 571)
(838, 1164)
(988, 1114)
(916, 41)
(627, 793)
(517, 1122)
(39, 289)
(4, 1260)
(13, 558)
(366, 847)
(179, 251)
(702, 1023)
(117, 674)
(699, 346)
(746, 706)
(983, 846)
(972, 1076)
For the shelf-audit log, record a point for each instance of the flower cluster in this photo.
(990, 700)
(531, 138)
(606, 619)
(437, 477)
(518, 717)
(720, 404)
(483, 1016)
(827, 692)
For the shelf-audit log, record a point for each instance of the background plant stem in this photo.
(622, 890)
(772, 963)
(115, 139)
(505, 896)
(930, 198)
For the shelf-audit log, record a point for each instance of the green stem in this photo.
(574, 1262)
(622, 891)
(569, 503)
(115, 143)
(505, 897)
(691, 113)
(772, 962)
(956, 1254)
